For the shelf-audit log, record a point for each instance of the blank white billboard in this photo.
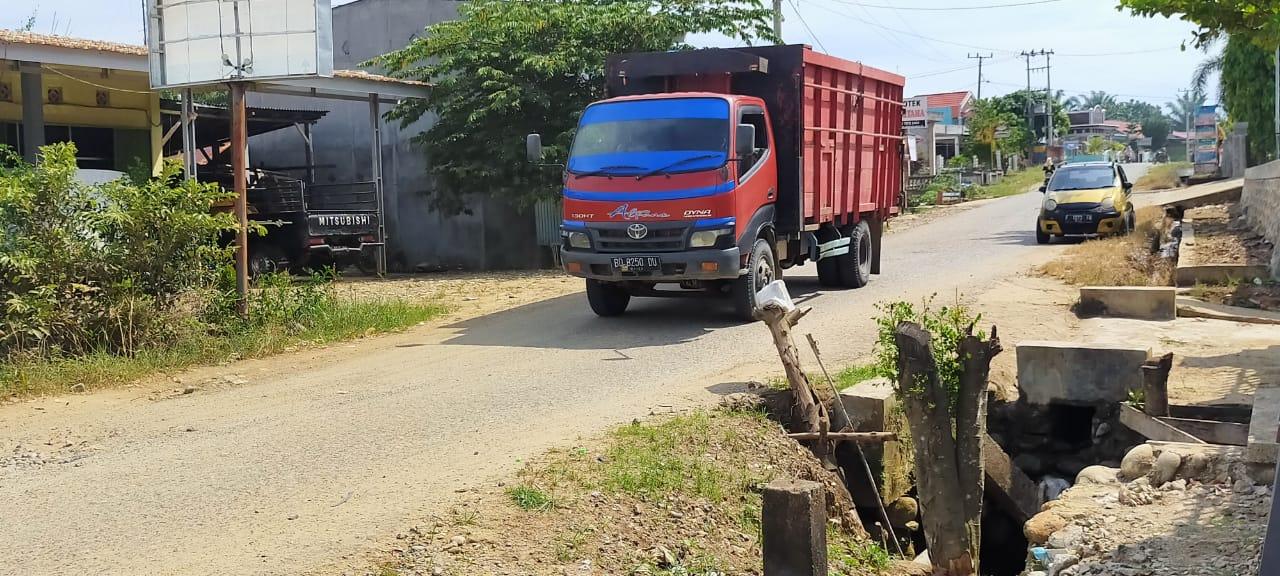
(196, 42)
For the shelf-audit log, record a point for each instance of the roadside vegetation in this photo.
(1116, 260)
(102, 285)
(675, 496)
(1012, 184)
(1161, 177)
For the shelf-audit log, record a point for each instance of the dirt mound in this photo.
(677, 496)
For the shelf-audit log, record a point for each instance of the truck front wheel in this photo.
(607, 298)
(855, 266)
(761, 270)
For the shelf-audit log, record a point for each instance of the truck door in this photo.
(758, 174)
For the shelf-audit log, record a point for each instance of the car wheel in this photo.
(1042, 237)
(607, 298)
(761, 270)
(855, 266)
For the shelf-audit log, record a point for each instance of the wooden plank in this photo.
(1007, 486)
(1153, 429)
(1211, 431)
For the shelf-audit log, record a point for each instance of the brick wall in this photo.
(1261, 201)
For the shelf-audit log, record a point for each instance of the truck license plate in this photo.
(1080, 218)
(637, 263)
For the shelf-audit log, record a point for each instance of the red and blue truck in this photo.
(711, 171)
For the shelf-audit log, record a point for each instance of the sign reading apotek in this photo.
(916, 111)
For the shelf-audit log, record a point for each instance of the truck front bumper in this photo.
(708, 264)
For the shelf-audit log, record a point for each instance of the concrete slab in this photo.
(1141, 302)
(1192, 308)
(873, 408)
(1192, 274)
(1006, 485)
(1078, 373)
(1212, 431)
(1152, 428)
(1263, 426)
(1193, 196)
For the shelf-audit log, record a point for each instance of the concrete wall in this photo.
(1261, 202)
(492, 235)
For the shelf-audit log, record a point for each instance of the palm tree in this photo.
(1183, 110)
(1210, 66)
(1095, 98)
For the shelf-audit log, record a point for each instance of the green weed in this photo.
(529, 498)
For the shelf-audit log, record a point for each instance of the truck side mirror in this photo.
(746, 148)
(533, 147)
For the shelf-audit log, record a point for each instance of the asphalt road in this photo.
(319, 458)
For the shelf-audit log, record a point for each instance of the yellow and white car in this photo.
(1089, 198)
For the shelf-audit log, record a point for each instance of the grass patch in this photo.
(1009, 185)
(855, 374)
(855, 556)
(1161, 176)
(337, 321)
(529, 498)
(1115, 260)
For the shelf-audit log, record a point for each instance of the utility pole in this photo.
(980, 58)
(1049, 128)
(1188, 115)
(777, 18)
(1048, 95)
(1026, 106)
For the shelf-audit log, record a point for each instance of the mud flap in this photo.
(877, 231)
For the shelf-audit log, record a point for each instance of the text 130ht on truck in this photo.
(711, 171)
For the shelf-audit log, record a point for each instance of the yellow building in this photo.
(95, 94)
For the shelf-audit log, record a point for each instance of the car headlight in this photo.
(1109, 204)
(1050, 205)
(579, 240)
(708, 238)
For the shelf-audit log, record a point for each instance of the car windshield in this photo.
(1082, 178)
(640, 136)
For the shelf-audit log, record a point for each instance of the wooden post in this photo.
(808, 408)
(928, 413)
(971, 429)
(793, 528)
(240, 183)
(1155, 385)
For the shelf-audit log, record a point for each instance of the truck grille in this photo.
(658, 240)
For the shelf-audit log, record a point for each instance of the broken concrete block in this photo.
(794, 528)
(873, 407)
(1077, 373)
(1141, 302)
(1006, 485)
(1263, 426)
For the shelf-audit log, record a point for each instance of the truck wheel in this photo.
(264, 260)
(607, 298)
(855, 266)
(761, 270)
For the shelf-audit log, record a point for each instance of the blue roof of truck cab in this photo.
(649, 109)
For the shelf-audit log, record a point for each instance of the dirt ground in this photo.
(1222, 237)
(467, 294)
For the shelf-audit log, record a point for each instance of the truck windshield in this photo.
(1082, 178)
(640, 136)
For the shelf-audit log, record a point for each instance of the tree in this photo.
(1259, 20)
(986, 119)
(1133, 110)
(1017, 104)
(504, 69)
(1156, 127)
(1247, 73)
(1182, 112)
(1095, 98)
(1095, 145)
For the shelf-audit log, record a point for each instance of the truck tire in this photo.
(855, 266)
(607, 299)
(761, 270)
(264, 259)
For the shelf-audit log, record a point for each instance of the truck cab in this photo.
(710, 171)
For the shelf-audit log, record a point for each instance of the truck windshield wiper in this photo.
(676, 163)
(604, 169)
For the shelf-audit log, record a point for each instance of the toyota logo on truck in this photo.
(637, 231)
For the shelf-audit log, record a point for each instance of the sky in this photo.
(1096, 47)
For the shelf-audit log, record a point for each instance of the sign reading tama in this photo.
(196, 42)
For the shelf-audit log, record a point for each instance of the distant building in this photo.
(942, 130)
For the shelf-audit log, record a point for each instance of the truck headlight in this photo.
(1050, 205)
(708, 238)
(579, 240)
(1109, 204)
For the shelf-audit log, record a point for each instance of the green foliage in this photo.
(84, 268)
(1095, 145)
(504, 69)
(1156, 127)
(1094, 98)
(1258, 19)
(1017, 103)
(529, 498)
(848, 556)
(1135, 111)
(855, 374)
(1248, 74)
(1182, 112)
(947, 327)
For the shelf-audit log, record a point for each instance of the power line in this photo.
(980, 58)
(806, 25)
(950, 8)
(904, 32)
